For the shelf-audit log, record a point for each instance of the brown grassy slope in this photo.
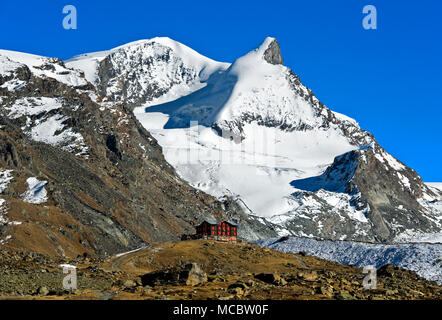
(232, 273)
(304, 277)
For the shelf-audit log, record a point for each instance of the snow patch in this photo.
(3, 219)
(413, 237)
(435, 185)
(13, 84)
(33, 106)
(345, 118)
(8, 66)
(36, 192)
(3, 241)
(5, 179)
(127, 252)
(404, 180)
(67, 266)
(386, 158)
(53, 131)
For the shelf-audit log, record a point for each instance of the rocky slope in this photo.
(260, 136)
(197, 270)
(387, 200)
(79, 174)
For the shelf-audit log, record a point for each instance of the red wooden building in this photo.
(221, 231)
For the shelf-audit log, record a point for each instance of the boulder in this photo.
(387, 270)
(195, 275)
(344, 295)
(129, 283)
(308, 275)
(237, 288)
(43, 291)
(271, 278)
(190, 274)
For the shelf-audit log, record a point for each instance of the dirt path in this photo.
(126, 262)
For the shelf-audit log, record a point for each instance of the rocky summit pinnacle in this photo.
(273, 53)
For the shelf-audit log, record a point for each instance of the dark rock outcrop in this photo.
(191, 274)
(273, 53)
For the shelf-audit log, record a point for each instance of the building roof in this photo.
(214, 222)
(209, 221)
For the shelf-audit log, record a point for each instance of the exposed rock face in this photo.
(271, 278)
(196, 275)
(273, 53)
(385, 199)
(397, 197)
(135, 82)
(191, 274)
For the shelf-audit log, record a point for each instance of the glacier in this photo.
(423, 258)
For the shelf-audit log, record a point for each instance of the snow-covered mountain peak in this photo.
(189, 56)
(140, 72)
(264, 60)
(268, 51)
(258, 88)
(271, 51)
(89, 62)
(266, 44)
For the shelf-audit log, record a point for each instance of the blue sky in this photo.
(389, 79)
